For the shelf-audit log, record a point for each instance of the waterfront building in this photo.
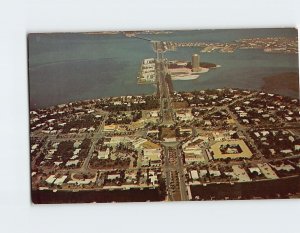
(196, 63)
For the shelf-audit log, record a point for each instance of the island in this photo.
(176, 69)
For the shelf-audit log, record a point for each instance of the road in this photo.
(166, 110)
(94, 138)
(173, 166)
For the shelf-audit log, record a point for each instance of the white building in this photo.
(103, 154)
(50, 179)
(72, 162)
(194, 175)
(60, 181)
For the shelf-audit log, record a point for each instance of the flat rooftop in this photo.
(242, 152)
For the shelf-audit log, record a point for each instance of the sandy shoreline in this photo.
(191, 76)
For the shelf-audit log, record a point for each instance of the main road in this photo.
(166, 110)
(173, 167)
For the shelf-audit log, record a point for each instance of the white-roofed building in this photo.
(60, 181)
(283, 167)
(267, 171)
(255, 169)
(203, 173)
(194, 175)
(214, 172)
(50, 179)
(153, 177)
(103, 154)
(76, 152)
(113, 176)
(77, 144)
(240, 173)
(137, 143)
(72, 162)
(152, 157)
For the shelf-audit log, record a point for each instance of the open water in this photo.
(76, 66)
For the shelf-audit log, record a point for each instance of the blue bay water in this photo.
(77, 66)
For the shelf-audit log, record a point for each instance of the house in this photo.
(246, 121)
(57, 163)
(272, 151)
(287, 151)
(91, 129)
(265, 133)
(207, 123)
(291, 138)
(288, 118)
(297, 147)
(33, 147)
(77, 144)
(257, 134)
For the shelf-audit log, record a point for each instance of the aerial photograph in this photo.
(171, 115)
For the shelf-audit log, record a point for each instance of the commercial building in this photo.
(196, 63)
(152, 157)
(60, 181)
(193, 154)
(230, 149)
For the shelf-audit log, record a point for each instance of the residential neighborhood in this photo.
(223, 136)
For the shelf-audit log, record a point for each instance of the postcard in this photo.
(144, 116)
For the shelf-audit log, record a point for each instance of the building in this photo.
(193, 154)
(152, 157)
(137, 144)
(114, 141)
(196, 63)
(60, 181)
(147, 71)
(194, 175)
(110, 128)
(267, 171)
(72, 162)
(50, 179)
(103, 154)
(240, 174)
(231, 149)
